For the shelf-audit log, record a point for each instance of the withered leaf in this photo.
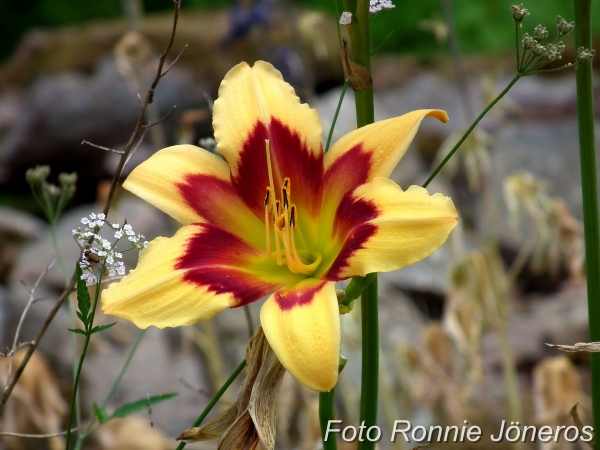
(592, 347)
(359, 75)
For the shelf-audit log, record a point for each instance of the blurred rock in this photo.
(61, 111)
(16, 228)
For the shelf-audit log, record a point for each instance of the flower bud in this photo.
(540, 33)
(346, 18)
(563, 26)
(518, 13)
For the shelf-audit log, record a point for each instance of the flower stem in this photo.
(336, 114)
(216, 398)
(468, 132)
(86, 343)
(327, 413)
(360, 39)
(589, 184)
(370, 360)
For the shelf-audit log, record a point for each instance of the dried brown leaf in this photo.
(359, 75)
(592, 347)
(241, 435)
(213, 429)
(263, 400)
(578, 422)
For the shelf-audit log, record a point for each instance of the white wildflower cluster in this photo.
(379, 5)
(100, 254)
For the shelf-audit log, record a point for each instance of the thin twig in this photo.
(150, 125)
(30, 302)
(113, 187)
(40, 436)
(106, 149)
(175, 60)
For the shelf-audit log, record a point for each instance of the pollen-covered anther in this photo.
(268, 208)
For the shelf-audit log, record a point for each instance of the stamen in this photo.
(269, 169)
(267, 224)
(293, 217)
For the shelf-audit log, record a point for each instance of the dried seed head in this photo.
(563, 26)
(584, 55)
(540, 33)
(37, 174)
(554, 51)
(379, 5)
(539, 50)
(518, 13)
(528, 41)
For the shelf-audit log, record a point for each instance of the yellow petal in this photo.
(365, 153)
(191, 277)
(254, 105)
(302, 325)
(380, 228)
(193, 185)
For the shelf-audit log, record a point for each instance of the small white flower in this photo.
(85, 221)
(93, 216)
(101, 216)
(118, 234)
(116, 226)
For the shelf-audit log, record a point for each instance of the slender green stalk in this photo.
(72, 316)
(86, 343)
(468, 132)
(360, 39)
(216, 398)
(589, 184)
(327, 413)
(336, 114)
(370, 360)
(89, 430)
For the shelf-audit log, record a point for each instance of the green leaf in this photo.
(83, 296)
(101, 414)
(130, 408)
(77, 330)
(80, 316)
(100, 328)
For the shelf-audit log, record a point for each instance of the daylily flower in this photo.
(279, 218)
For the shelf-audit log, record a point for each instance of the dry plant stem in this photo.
(215, 399)
(30, 302)
(360, 39)
(589, 184)
(124, 157)
(39, 436)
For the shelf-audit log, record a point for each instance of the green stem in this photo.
(90, 429)
(589, 184)
(370, 360)
(88, 334)
(468, 132)
(337, 113)
(360, 39)
(216, 398)
(72, 316)
(327, 413)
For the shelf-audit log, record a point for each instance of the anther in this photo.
(284, 196)
(281, 222)
(277, 206)
(268, 197)
(293, 217)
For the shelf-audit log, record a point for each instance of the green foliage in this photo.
(130, 408)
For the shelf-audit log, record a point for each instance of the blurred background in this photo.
(462, 333)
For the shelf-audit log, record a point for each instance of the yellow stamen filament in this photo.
(284, 219)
